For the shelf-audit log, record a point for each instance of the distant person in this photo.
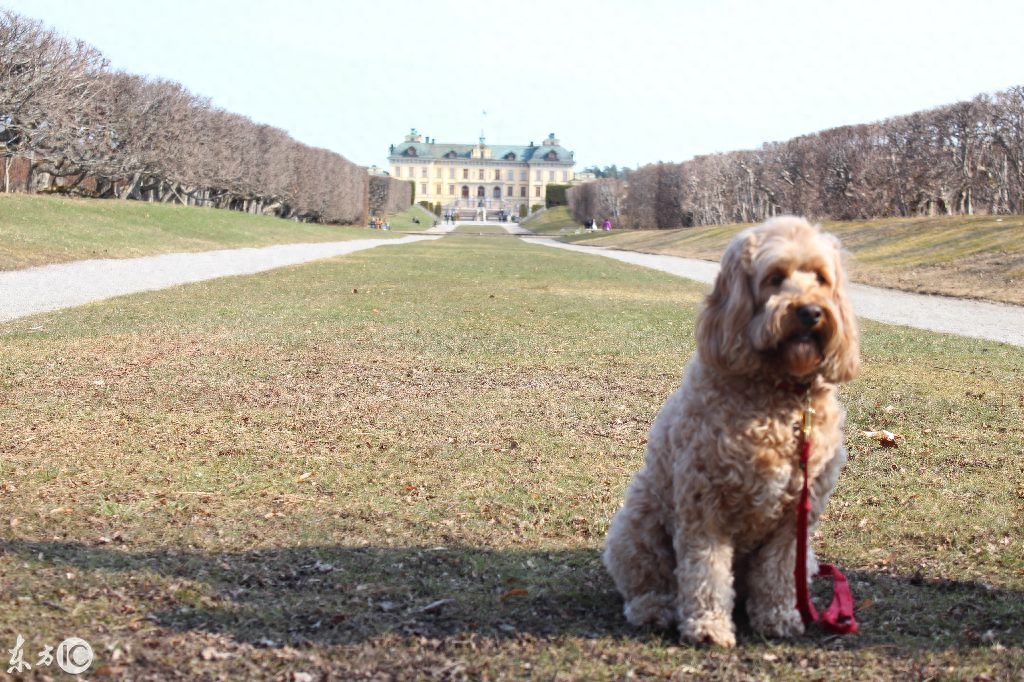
(607, 224)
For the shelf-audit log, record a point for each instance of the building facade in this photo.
(493, 179)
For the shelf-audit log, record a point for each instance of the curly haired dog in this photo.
(712, 511)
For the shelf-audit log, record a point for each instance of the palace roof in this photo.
(546, 153)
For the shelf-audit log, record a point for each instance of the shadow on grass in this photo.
(346, 595)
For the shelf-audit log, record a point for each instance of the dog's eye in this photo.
(776, 279)
(822, 279)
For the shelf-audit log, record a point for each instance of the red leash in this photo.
(838, 617)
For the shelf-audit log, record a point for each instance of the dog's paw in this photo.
(712, 628)
(779, 621)
(651, 609)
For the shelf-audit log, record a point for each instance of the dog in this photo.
(709, 522)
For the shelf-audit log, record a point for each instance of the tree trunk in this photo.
(130, 188)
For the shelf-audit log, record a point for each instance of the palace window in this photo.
(481, 173)
(423, 188)
(508, 191)
(465, 174)
(423, 172)
(437, 189)
(565, 176)
(451, 190)
(398, 171)
(497, 192)
(536, 175)
(511, 156)
(524, 176)
(497, 174)
(440, 172)
(551, 176)
(522, 191)
(536, 191)
(451, 173)
(411, 151)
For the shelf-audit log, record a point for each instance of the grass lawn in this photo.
(403, 222)
(964, 256)
(489, 230)
(403, 462)
(552, 222)
(37, 230)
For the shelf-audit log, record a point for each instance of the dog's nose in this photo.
(809, 315)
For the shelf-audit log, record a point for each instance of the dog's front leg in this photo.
(706, 595)
(771, 600)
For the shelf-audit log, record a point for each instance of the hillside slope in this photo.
(963, 256)
(38, 230)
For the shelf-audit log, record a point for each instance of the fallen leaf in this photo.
(211, 654)
(516, 592)
(304, 477)
(887, 439)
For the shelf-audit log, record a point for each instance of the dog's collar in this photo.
(794, 387)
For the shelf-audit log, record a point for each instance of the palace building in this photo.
(495, 180)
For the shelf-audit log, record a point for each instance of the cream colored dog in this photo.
(712, 512)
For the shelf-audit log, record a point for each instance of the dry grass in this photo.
(401, 463)
(963, 256)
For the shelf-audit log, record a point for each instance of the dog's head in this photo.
(779, 306)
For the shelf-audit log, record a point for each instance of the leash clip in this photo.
(808, 422)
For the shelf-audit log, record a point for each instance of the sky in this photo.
(619, 82)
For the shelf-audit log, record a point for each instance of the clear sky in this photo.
(624, 82)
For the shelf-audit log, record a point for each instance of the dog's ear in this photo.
(844, 356)
(723, 339)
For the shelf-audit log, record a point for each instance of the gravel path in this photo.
(977, 319)
(50, 287)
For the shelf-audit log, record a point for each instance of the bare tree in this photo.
(963, 158)
(45, 82)
(1008, 136)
